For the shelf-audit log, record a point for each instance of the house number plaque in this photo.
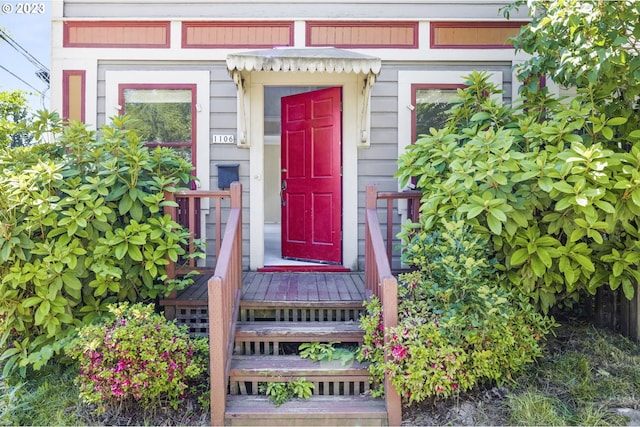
(223, 139)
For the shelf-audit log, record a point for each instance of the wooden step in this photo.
(301, 311)
(328, 378)
(292, 365)
(316, 411)
(265, 337)
(301, 331)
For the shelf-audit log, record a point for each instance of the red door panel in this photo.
(311, 178)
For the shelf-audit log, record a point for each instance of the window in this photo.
(418, 91)
(431, 102)
(165, 115)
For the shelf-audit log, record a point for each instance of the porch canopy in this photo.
(324, 59)
(309, 59)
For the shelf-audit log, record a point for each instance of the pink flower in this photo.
(399, 352)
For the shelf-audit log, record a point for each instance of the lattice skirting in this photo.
(195, 318)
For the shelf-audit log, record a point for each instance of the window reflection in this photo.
(432, 105)
(163, 115)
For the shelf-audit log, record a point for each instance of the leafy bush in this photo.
(554, 188)
(136, 358)
(81, 227)
(280, 392)
(457, 326)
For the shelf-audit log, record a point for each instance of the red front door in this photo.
(311, 176)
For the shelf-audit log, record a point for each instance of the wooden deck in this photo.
(294, 287)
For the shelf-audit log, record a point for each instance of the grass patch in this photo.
(585, 376)
(45, 397)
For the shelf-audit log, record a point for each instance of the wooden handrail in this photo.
(224, 292)
(379, 281)
(413, 207)
(190, 200)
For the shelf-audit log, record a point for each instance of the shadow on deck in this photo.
(189, 307)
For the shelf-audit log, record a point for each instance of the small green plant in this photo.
(136, 358)
(326, 352)
(280, 392)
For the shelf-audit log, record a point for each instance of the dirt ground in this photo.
(483, 407)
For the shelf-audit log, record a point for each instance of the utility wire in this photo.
(21, 79)
(43, 73)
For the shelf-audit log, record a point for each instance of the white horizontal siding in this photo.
(243, 10)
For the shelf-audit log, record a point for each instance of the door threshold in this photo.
(303, 269)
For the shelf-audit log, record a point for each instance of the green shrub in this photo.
(457, 326)
(136, 358)
(555, 189)
(81, 227)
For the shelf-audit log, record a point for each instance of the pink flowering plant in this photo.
(458, 326)
(137, 358)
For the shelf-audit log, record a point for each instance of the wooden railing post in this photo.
(225, 290)
(380, 282)
(172, 211)
(217, 354)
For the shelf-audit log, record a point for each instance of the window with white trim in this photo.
(165, 115)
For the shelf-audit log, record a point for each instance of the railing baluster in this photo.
(379, 280)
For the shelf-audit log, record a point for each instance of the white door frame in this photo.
(351, 99)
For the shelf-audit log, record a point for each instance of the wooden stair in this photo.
(267, 338)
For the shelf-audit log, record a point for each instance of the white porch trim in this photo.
(351, 96)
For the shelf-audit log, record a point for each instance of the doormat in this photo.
(303, 269)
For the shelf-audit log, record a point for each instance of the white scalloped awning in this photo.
(321, 60)
(325, 59)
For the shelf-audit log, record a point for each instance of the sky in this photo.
(32, 31)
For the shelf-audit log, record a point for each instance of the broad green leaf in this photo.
(607, 132)
(494, 224)
(605, 206)
(563, 203)
(617, 269)
(570, 276)
(498, 214)
(546, 184)
(482, 115)
(582, 200)
(42, 312)
(136, 211)
(31, 301)
(121, 250)
(125, 204)
(519, 257)
(544, 256)
(135, 253)
(628, 289)
(71, 281)
(584, 261)
(537, 266)
(138, 239)
(595, 235)
(564, 187)
(617, 121)
(635, 196)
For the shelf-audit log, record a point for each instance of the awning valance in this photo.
(325, 59)
(320, 60)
